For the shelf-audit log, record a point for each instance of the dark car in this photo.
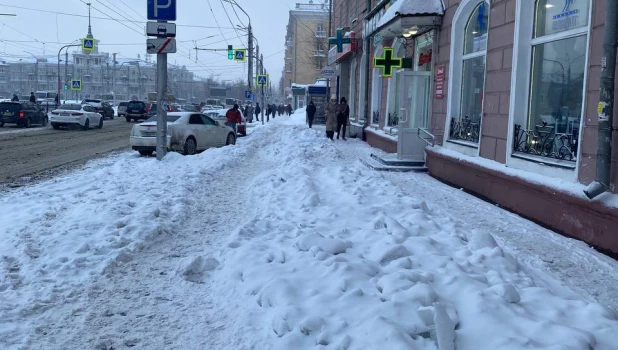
(23, 113)
(104, 108)
(136, 110)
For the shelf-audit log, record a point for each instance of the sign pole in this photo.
(161, 111)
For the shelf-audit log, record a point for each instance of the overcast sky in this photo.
(40, 27)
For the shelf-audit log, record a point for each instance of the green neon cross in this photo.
(387, 62)
(339, 40)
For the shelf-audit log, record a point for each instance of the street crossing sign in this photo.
(240, 55)
(262, 79)
(76, 85)
(87, 45)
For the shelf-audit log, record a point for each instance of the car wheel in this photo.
(145, 153)
(231, 139)
(86, 124)
(190, 147)
(44, 122)
(1, 125)
(101, 123)
(112, 116)
(55, 126)
(28, 123)
(244, 133)
(128, 119)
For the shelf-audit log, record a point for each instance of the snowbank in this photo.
(340, 258)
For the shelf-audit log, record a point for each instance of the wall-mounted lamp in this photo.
(410, 32)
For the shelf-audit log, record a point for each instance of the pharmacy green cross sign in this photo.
(387, 62)
(339, 40)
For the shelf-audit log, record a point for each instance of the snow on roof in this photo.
(411, 8)
(311, 7)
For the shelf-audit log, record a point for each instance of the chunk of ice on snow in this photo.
(329, 245)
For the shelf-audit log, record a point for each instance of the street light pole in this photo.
(65, 64)
(250, 43)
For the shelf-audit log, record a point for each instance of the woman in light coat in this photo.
(332, 110)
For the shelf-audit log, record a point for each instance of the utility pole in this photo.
(114, 77)
(330, 29)
(250, 78)
(262, 72)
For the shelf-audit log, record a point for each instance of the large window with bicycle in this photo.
(468, 71)
(556, 48)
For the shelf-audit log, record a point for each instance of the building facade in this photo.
(306, 43)
(500, 98)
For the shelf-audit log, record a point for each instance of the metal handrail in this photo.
(431, 140)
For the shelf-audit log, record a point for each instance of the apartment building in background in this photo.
(306, 43)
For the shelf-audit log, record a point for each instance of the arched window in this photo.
(468, 71)
(547, 102)
(376, 92)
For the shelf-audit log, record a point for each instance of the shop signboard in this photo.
(440, 74)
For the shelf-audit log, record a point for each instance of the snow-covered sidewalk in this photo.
(284, 241)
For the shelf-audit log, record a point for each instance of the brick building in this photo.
(508, 91)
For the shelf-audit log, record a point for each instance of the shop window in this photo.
(553, 48)
(468, 72)
(376, 92)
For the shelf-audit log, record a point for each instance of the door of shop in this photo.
(414, 93)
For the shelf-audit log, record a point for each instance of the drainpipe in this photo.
(367, 46)
(606, 103)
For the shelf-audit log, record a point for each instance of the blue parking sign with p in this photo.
(161, 10)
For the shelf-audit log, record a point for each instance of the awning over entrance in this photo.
(410, 16)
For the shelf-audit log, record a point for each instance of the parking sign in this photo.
(161, 10)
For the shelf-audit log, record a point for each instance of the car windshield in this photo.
(170, 118)
(41, 95)
(71, 107)
(136, 105)
(123, 104)
(93, 101)
(7, 106)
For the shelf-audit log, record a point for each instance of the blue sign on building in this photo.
(162, 10)
(248, 94)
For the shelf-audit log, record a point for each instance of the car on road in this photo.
(136, 110)
(102, 107)
(219, 115)
(83, 115)
(187, 132)
(22, 113)
(122, 109)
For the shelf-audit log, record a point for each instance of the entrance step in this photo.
(379, 166)
(392, 160)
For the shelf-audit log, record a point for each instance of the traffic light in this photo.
(230, 52)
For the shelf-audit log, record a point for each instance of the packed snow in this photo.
(283, 241)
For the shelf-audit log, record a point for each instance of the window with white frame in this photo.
(376, 91)
(469, 74)
(553, 49)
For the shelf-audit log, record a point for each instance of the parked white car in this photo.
(187, 132)
(83, 115)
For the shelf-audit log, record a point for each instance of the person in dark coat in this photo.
(57, 100)
(32, 97)
(289, 110)
(15, 98)
(258, 110)
(343, 117)
(311, 113)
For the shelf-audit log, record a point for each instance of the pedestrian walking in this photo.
(15, 98)
(343, 117)
(289, 109)
(57, 100)
(233, 117)
(32, 97)
(332, 109)
(258, 110)
(311, 113)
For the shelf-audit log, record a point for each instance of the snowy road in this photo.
(285, 241)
